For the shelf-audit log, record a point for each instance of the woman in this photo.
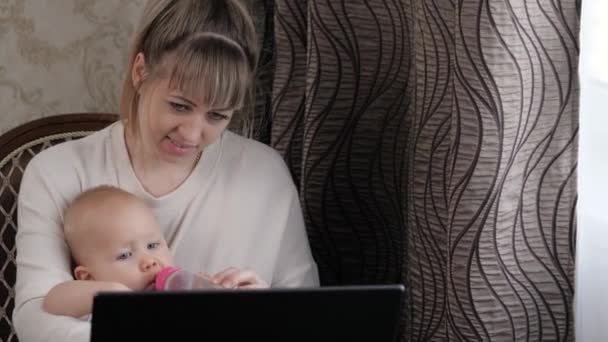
(226, 204)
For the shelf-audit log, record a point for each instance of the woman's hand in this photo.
(234, 278)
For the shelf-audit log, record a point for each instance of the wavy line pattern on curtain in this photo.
(434, 143)
(339, 115)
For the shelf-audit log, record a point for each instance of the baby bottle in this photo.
(175, 278)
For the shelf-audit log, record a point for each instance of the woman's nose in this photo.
(192, 129)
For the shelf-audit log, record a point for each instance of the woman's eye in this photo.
(124, 256)
(153, 245)
(178, 107)
(217, 116)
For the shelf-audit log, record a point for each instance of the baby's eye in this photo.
(124, 256)
(153, 245)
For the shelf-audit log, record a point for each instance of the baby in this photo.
(116, 245)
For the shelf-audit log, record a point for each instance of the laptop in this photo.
(368, 313)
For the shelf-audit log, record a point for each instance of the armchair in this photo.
(17, 147)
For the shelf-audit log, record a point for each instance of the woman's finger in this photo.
(254, 286)
(236, 278)
(221, 277)
(246, 277)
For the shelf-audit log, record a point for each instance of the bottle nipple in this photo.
(161, 277)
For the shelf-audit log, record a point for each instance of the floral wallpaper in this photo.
(62, 56)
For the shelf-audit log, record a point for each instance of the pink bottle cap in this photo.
(162, 276)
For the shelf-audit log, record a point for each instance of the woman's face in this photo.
(174, 127)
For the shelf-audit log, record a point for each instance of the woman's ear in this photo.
(82, 273)
(138, 72)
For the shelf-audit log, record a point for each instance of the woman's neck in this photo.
(158, 177)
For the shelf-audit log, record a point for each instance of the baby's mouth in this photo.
(151, 286)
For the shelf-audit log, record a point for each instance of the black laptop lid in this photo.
(354, 314)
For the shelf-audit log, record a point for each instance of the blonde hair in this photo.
(213, 48)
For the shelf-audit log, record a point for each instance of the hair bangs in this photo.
(211, 70)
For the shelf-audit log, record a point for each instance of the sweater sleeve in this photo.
(296, 266)
(42, 258)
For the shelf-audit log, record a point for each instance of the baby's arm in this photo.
(75, 298)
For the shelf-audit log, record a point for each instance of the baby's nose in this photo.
(149, 263)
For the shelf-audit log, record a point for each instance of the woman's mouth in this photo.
(179, 148)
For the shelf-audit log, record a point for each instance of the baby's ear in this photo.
(82, 273)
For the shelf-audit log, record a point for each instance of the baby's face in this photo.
(128, 248)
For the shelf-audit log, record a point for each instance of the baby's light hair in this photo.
(79, 212)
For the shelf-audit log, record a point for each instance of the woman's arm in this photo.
(296, 266)
(75, 298)
(42, 256)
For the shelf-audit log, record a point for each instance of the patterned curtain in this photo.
(434, 144)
